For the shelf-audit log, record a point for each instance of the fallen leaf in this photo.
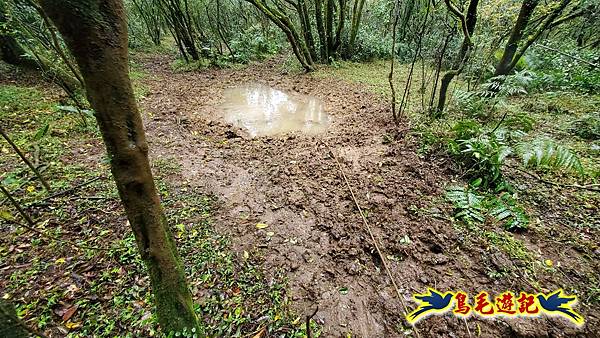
(69, 312)
(246, 254)
(60, 261)
(548, 262)
(71, 325)
(260, 333)
(261, 226)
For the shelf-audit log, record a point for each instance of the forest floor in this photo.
(310, 248)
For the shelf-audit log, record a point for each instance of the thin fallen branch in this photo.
(17, 206)
(67, 191)
(22, 156)
(590, 187)
(78, 246)
(373, 239)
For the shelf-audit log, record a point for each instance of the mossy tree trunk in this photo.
(324, 51)
(357, 11)
(276, 13)
(467, 24)
(10, 325)
(96, 33)
(550, 21)
(516, 34)
(11, 51)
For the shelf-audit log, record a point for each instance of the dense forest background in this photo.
(489, 107)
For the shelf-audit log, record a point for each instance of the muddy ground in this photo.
(292, 184)
(315, 234)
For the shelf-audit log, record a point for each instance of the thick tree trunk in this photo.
(516, 34)
(10, 324)
(96, 33)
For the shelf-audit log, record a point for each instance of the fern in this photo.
(471, 207)
(545, 152)
(467, 203)
(505, 210)
(506, 85)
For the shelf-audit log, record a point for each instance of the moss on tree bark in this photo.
(96, 33)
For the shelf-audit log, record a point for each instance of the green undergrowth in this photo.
(77, 272)
(504, 147)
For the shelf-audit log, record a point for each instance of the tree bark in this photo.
(467, 23)
(329, 28)
(516, 34)
(96, 33)
(11, 51)
(356, 17)
(307, 28)
(281, 20)
(321, 30)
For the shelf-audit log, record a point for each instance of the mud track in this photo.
(315, 234)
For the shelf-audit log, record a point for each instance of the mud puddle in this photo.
(262, 110)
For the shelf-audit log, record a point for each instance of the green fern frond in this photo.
(547, 153)
(467, 203)
(506, 85)
(505, 210)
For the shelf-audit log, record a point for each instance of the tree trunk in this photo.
(10, 324)
(548, 23)
(96, 33)
(467, 22)
(281, 20)
(340, 26)
(11, 51)
(329, 28)
(516, 34)
(356, 17)
(321, 30)
(444, 86)
(307, 28)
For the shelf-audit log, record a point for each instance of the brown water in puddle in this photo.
(263, 110)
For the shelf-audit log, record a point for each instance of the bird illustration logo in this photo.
(557, 303)
(430, 302)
